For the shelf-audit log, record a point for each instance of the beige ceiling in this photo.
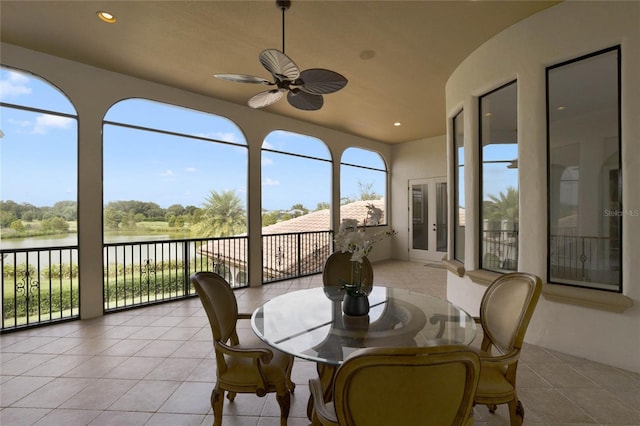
(417, 45)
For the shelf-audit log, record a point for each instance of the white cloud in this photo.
(191, 170)
(222, 136)
(270, 182)
(20, 123)
(167, 173)
(15, 85)
(45, 122)
(266, 161)
(266, 145)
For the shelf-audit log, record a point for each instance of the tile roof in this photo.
(284, 255)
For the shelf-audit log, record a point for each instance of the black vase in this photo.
(355, 304)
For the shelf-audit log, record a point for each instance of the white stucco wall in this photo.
(522, 52)
(420, 159)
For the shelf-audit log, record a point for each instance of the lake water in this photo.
(146, 252)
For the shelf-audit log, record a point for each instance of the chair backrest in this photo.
(219, 303)
(337, 268)
(407, 386)
(506, 309)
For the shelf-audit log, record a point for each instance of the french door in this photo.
(428, 219)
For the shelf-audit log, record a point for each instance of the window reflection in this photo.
(585, 184)
(500, 198)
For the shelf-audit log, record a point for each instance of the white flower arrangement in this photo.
(352, 238)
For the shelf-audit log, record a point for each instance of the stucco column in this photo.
(254, 210)
(90, 263)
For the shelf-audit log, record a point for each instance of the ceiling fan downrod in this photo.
(283, 5)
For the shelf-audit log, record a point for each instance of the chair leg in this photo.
(516, 412)
(217, 400)
(284, 400)
(231, 396)
(290, 385)
(492, 408)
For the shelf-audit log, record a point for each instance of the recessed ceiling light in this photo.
(560, 108)
(106, 17)
(488, 114)
(397, 124)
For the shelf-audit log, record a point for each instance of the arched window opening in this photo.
(296, 195)
(38, 201)
(363, 187)
(175, 197)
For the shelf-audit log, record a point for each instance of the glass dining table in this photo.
(309, 324)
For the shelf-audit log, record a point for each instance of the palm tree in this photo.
(223, 216)
(504, 206)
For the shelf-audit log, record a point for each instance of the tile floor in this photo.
(155, 366)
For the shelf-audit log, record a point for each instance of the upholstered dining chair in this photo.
(337, 269)
(247, 367)
(505, 311)
(402, 386)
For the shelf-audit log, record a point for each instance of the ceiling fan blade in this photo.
(266, 98)
(243, 78)
(305, 101)
(320, 81)
(280, 65)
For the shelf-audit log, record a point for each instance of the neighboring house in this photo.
(297, 246)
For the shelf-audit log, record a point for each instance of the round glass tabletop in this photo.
(309, 324)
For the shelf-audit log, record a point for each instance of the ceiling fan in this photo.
(304, 89)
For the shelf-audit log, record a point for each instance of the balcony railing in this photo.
(286, 256)
(578, 259)
(140, 273)
(41, 285)
(500, 250)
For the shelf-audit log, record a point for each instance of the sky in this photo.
(38, 154)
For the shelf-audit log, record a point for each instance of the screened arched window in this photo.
(363, 183)
(164, 163)
(296, 178)
(38, 202)
(39, 161)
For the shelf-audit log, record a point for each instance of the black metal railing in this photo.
(296, 254)
(140, 273)
(500, 250)
(39, 285)
(576, 259)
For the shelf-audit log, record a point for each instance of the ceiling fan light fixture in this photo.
(304, 89)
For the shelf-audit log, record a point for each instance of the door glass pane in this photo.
(420, 213)
(441, 216)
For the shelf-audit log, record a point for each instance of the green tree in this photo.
(17, 225)
(7, 218)
(175, 210)
(366, 191)
(323, 205)
(223, 216)
(55, 224)
(112, 218)
(298, 210)
(269, 218)
(504, 206)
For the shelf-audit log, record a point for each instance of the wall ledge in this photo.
(454, 266)
(585, 297)
(588, 298)
(483, 277)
